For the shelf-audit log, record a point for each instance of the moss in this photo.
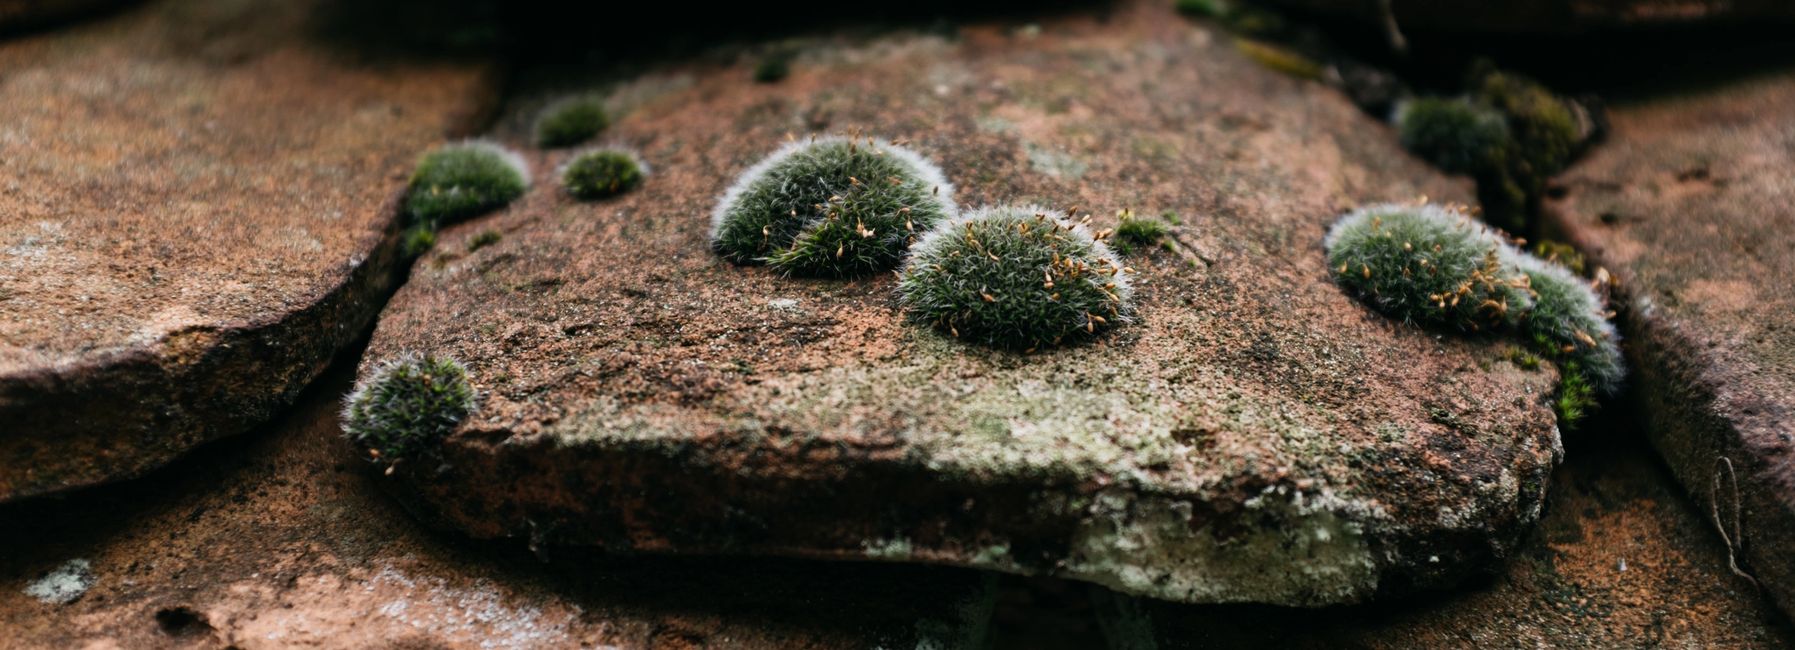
(1204, 8)
(1453, 134)
(1279, 58)
(1426, 264)
(461, 180)
(571, 121)
(1523, 359)
(830, 207)
(1014, 277)
(417, 240)
(1135, 233)
(407, 405)
(1547, 129)
(774, 66)
(486, 238)
(601, 173)
(1545, 133)
(1569, 323)
(1561, 253)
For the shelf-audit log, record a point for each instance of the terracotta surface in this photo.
(1554, 16)
(197, 212)
(1691, 207)
(1259, 436)
(275, 541)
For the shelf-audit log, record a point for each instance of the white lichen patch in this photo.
(1291, 548)
(63, 585)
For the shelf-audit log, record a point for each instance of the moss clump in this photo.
(1138, 233)
(830, 207)
(486, 238)
(417, 240)
(407, 404)
(1548, 130)
(1279, 58)
(1568, 322)
(1433, 265)
(461, 180)
(1204, 8)
(571, 121)
(1014, 277)
(1453, 134)
(600, 173)
(1426, 264)
(1561, 253)
(774, 66)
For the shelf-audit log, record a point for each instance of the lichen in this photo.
(64, 585)
(1153, 545)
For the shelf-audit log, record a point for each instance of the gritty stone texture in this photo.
(1257, 436)
(1691, 206)
(1620, 560)
(1554, 16)
(197, 212)
(273, 542)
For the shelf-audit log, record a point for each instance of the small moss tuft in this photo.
(1204, 8)
(417, 240)
(1138, 233)
(774, 66)
(1279, 58)
(1561, 253)
(601, 173)
(571, 121)
(1453, 134)
(486, 238)
(1015, 277)
(1427, 264)
(830, 207)
(407, 404)
(460, 180)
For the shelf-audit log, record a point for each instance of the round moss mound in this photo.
(407, 404)
(1426, 264)
(571, 121)
(460, 180)
(1569, 322)
(1453, 134)
(830, 207)
(1015, 277)
(601, 173)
